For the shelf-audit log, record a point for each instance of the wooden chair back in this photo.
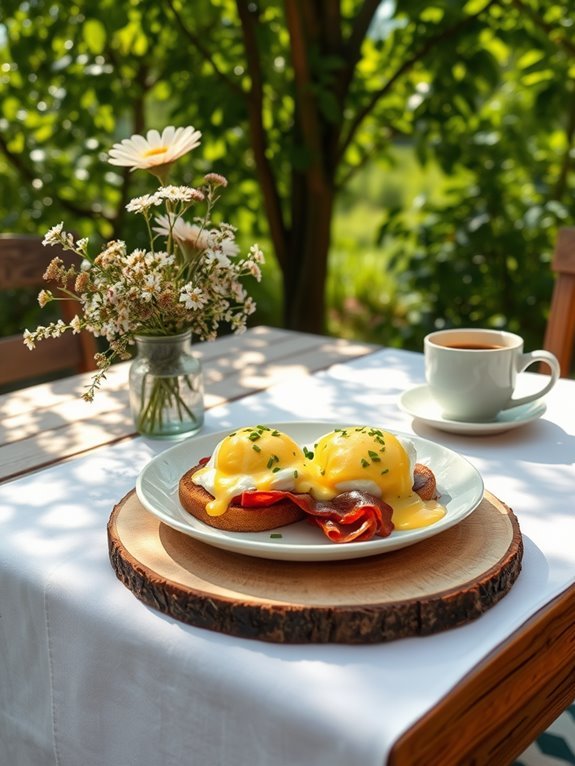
(560, 332)
(23, 261)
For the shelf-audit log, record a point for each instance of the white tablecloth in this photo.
(89, 676)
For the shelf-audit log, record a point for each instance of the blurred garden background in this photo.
(404, 166)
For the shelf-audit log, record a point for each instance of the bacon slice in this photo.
(349, 517)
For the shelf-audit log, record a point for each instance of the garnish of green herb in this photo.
(364, 462)
(254, 436)
(386, 470)
(307, 453)
(256, 448)
(374, 456)
(275, 535)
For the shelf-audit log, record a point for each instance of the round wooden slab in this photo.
(439, 583)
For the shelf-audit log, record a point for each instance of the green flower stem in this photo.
(164, 395)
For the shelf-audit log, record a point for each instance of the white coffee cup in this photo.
(472, 373)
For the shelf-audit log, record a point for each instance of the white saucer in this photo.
(418, 403)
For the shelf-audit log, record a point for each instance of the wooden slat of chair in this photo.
(560, 332)
(23, 261)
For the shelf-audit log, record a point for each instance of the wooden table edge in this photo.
(489, 717)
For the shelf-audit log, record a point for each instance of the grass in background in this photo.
(362, 295)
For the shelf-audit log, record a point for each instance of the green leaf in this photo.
(94, 33)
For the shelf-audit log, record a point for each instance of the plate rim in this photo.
(275, 549)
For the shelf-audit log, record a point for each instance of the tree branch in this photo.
(567, 162)
(258, 136)
(203, 50)
(27, 173)
(441, 37)
(352, 48)
(390, 135)
(307, 112)
(550, 30)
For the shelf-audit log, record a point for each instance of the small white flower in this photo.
(155, 149)
(192, 297)
(52, 237)
(144, 203)
(216, 256)
(44, 297)
(249, 306)
(254, 270)
(256, 254)
(29, 339)
(229, 247)
(180, 194)
(215, 179)
(76, 324)
(152, 285)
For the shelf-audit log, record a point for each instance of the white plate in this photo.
(419, 403)
(157, 488)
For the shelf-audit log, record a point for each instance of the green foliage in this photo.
(482, 91)
(481, 256)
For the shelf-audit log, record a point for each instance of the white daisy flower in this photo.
(192, 297)
(155, 149)
(152, 285)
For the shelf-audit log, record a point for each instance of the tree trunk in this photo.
(305, 270)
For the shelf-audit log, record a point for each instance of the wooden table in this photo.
(493, 714)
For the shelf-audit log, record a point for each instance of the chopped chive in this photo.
(276, 535)
(386, 470)
(364, 462)
(256, 448)
(374, 456)
(254, 436)
(276, 469)
(295, 474)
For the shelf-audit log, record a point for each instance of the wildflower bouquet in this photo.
(190, 277)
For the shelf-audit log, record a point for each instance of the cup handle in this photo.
(525, 361)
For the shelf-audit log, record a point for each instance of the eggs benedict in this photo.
(361, 478)
(249, 459)
(378, 463)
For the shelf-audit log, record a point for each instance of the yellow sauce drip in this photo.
(412, 512)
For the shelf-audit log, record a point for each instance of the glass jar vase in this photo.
(166, 387)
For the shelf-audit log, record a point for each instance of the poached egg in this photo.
(250, 458)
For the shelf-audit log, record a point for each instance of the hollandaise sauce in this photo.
(374, 461)
(355, 458)
(251, 458)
